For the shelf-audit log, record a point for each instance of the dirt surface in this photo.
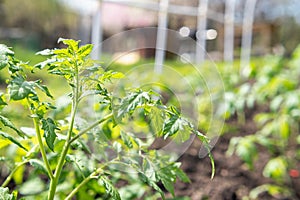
(233, 179)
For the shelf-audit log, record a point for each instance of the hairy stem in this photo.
(10, 176)
(40, 141)
(42, 149)
(86, 180)
(61, 161)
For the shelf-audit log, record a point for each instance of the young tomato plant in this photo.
(275, 87)
(86, 152)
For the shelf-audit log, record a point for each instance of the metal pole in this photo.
(96, 35)
(229, 30)
(201, 31)
(161, 38)
(247, 33)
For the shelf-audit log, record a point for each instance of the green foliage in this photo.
(4, 194)
(49, 127)
(82, 154)
(12, 139)
(110, 189)
(6, 122)
(273, 88)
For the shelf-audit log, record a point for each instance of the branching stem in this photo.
(10, 176)
(61, 161)
(93, 175)
(91, 127)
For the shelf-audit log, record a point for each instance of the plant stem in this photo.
(86, 180)
(8, 179)
(61, 161)
(90, 127)
(40, 141)
(43, 152)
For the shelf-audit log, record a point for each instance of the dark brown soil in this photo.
(233, 179)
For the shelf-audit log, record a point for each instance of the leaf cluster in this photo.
(80, 152)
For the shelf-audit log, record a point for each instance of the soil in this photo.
(233, 180)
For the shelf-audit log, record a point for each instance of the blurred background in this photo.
(36, 25)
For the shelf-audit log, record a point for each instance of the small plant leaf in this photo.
(37, 164)
(45, 63)
(157, 120)
(4, 50)
(247, 150)
(49, 127)
(168, 178)
(180, 174)
(72, 44)
(12, 139)
(131, 102)
(32, 186)
(45, 52)
(284, 128)
(85, 50)
(20, 89)
(276, 168)
(108, 75)
(168, 175)
(2, 102)
(176, 124)
(6, 122)
(152, 184)
(3, 61)
(109, 188)
(44, 89)
(126, 139)
(5, 195)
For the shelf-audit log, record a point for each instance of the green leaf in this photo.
(109, 188)
(12, 139)
(108, 75)
(37, 164)
(131, 102)
(2, 102)
(6, 122)
(5, 195)
(72, 44)
(247, 150)
(168, 178)
(20, 89)
(284, 127)
(152, 184)
(3, 61)
(157, 120)
(176, 123)
(45, 52)
(49, 127)
(276, 168)
(33, 186)
(62, 53)
(43, 108)
(126, 139)
(45, 63)
(4, 50)
(168, 175)
(180, 174)
(276, 102)
(44, 89)
(85, 50)
(148, 169)
(274, 190)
